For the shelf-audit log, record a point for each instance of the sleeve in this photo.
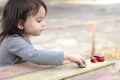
(21, 48)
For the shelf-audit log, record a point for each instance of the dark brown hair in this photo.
(15, 10)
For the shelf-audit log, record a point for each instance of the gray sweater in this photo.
(15, 49)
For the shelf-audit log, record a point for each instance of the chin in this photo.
(37, 34)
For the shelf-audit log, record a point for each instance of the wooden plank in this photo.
(22, 68)
(100, 74)
(62, 72)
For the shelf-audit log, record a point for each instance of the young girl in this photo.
(21, 19)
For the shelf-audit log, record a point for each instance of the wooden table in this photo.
(30, 71)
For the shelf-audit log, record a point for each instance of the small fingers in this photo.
(83, 60)
(79, 62)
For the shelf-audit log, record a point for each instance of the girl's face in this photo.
(34, 24)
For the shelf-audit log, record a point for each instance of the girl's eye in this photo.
(38, 21)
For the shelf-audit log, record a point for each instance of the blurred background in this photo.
(78, 38)
(66, 27)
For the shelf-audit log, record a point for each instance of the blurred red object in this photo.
(100, 58)
(95, 59)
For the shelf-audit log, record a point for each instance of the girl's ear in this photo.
(20, 25)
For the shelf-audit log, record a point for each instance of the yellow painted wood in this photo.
(62, 72)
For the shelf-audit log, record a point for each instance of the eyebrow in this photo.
(39, 17)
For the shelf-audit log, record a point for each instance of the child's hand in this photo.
(75, 58)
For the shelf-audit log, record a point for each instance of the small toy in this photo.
(100, 58)
(95, 59)
(82, 66)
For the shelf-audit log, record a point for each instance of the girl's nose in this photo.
(43, 23)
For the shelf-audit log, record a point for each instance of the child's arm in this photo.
(18, 46)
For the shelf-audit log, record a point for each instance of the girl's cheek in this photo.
(38, 25)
